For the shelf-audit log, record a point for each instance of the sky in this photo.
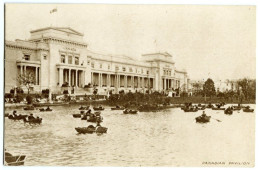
(207, 41)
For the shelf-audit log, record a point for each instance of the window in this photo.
(92, 65)
(76, 60)
(88, 62)
(45, 57)
(169, 73)
(70, 59)
(26, 57)
(147, 72)
(117, 68)
(108, 67)
(100, 66)
(123, 68)
(136, 70)
(62, 58)
(142, 71)
(130, 69)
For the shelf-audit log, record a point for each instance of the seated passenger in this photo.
(31, 117)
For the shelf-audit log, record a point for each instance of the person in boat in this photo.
(14, 113)
(48, 108)
(31, 117)
(38, 118)
(203, 114)
(99, 119)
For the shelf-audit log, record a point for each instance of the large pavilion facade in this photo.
(58, 59)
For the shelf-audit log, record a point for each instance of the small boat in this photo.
(92, 119)
(50, 104)
(11, 160)
(190, 109)
(117, 108)
(126, 111)
(248, 110)
(99, 108)
(76, 115)
(33, 121)
(209, 106)
(45, 110)
(101, 129)
(91, 129)
(217, 108)
(42, 109)
(228, 111)
(235, 108)
(28, 108)
(48, 109)
(203, 119)
(201, 108)
(17, 117)
(84, 108)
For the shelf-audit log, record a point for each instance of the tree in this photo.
(248, 88)
(197, 86)
(29, 99)
(27, 80)
(209, 88)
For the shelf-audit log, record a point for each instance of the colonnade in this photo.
(74, 77)
(24, 69)
(123, 81)
(170, 83)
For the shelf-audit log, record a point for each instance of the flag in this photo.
(53, 10)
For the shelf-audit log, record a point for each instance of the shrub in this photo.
(29, 99)
(19, 90)
(38, 96)
(65, 92)
(19, 98)
(8, 95)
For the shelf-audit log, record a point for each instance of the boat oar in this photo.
(216, 119)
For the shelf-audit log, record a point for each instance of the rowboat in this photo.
(203, 119)
(126, 111)
(11, 160)
(91, 129)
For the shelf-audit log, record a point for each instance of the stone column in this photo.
(119, 79)
(107, 80)
(76, 78)
(60, 77)
(24, 70)
(21, 69)
(118, 84)
(101, 79)
(125, 77)
(92, 81)
(36, 75)
(39, 72)
(99, 84)
(164, 87)
(69, 77)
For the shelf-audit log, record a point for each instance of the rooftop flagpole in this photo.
(52, 13)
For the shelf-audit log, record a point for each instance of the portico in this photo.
(30, 67)
(71, 75)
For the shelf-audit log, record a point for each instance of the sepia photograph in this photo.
(129, 85)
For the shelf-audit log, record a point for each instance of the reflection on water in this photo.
(167, 138)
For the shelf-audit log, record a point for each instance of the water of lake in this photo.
(166, 138)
